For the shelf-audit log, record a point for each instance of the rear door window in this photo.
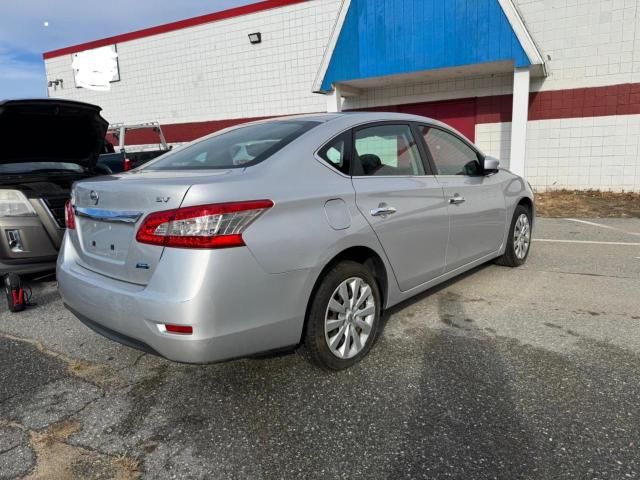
(237, 148)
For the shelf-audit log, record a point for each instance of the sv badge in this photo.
(162, 199)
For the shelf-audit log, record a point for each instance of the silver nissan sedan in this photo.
(291, 232)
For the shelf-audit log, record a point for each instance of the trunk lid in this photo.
(37, 135)
(110, 210)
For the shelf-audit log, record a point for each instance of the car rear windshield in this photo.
(237, 148)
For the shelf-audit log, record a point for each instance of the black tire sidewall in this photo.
(315, 341)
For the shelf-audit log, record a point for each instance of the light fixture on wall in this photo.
(55, 83)
(255, 38)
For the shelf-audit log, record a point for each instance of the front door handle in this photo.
(383, 211)
(457, 199)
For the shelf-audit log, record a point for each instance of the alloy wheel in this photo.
(349, 318)
(521, 236)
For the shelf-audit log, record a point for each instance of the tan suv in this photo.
(47, 145)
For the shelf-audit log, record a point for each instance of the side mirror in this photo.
(491, 164)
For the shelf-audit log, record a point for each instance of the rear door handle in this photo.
(457, 199)
(383, 211)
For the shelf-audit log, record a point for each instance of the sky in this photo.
(28, 28)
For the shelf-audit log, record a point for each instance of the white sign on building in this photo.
(96, 69)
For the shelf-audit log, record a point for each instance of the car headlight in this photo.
(13, 203)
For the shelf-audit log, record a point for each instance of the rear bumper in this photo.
(113, 335)
(236, 309)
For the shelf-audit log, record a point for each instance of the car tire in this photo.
(341, 325)
(519, 239)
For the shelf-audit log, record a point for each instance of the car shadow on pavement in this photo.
(465, 421)
(442, 406)
(389, 312)
(450, 401)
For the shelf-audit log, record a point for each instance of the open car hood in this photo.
(51, 130)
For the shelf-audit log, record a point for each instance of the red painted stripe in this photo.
(170, 27)
(495, 109)
(621, 99)
(181, 132)
(461, 114)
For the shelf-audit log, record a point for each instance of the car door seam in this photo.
(382, 249)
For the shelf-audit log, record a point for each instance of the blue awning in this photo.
(392, 37)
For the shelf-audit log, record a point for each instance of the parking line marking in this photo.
(594, 224)
(588, 242)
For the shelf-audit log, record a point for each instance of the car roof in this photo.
(354, 118)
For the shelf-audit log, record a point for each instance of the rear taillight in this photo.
(204, 226)
(69, 216)
(126, 166)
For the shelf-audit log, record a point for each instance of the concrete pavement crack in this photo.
(582, 274)
(2, 452)
(47, 432)
(2, 402)
(39, 346)
(135, 363)
(69, 361)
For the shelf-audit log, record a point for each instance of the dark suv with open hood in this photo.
(45, 146)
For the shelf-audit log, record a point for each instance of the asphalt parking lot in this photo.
(503, 373)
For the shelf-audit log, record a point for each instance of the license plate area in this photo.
(106, 240)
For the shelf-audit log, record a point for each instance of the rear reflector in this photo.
(69, 216)
(218, 225)
(180, 329)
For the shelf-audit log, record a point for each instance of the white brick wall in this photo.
(211, 71)
(585, 153)
(589, 42)
(581, 153)
(495, 139)
(481, 86)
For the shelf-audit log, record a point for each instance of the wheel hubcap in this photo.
(349, 318)
(521, 236)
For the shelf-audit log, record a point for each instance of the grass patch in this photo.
(587, 204)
